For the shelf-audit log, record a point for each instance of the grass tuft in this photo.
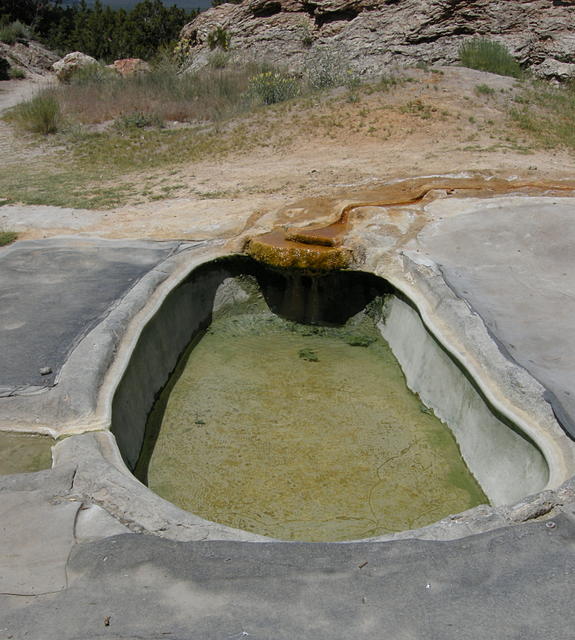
(484, 90)
(547, 113)
(7, 237)
(137, 120)
(487, 55)
(219, 59)
(41, 114)
(92, 75)
(418, 108)
(15, 73)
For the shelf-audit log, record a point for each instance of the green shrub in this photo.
(484, 90)
(137, 120)
(6, 237)
(4, 69)
(41, 114)
(219, 38)
(270, 87)
(219, 59)
(487, 55)
(7, 35)
(15, 73)
(92, 74)
(326, 69)
(11, 33)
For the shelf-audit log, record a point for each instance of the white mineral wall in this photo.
(506, 465)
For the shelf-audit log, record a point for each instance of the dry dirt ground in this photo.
(434, 123)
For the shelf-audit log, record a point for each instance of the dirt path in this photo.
(12, 92)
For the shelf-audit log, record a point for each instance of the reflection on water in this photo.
(22, 452)
(302, 433)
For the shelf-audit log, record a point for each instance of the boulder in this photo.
(551, 69)
(69, 64)
(130, 66)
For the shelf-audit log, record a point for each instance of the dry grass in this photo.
(41, 114)
(103, 167)
(547, 114)
(211, 95)
(219, 91)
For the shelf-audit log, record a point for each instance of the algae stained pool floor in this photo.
(302, 433)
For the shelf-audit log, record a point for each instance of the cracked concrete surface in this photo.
(517, 268)
(68, 304)
(71, 285)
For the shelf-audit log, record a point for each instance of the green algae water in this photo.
(23, 453)
(301, 433)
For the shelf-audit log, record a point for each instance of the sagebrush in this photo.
(13, 32)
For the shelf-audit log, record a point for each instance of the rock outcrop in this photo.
(374, 34)
(29, 56)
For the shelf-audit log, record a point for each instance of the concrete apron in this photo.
(101, 477)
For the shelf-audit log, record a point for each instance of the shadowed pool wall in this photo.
(185, 313)
(328, 299)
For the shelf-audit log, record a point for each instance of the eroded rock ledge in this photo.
(374, 34)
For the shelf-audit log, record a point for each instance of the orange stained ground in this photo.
(322, 248)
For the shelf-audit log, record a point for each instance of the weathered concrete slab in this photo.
(93, 523)
(512, 259)
(53, 292)
(36, 539)
(514, 583)
(69, 304)
(25, 217)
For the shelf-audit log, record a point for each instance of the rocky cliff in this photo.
(29, 56)
(374, 34)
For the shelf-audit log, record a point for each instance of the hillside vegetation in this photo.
(102, 32)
